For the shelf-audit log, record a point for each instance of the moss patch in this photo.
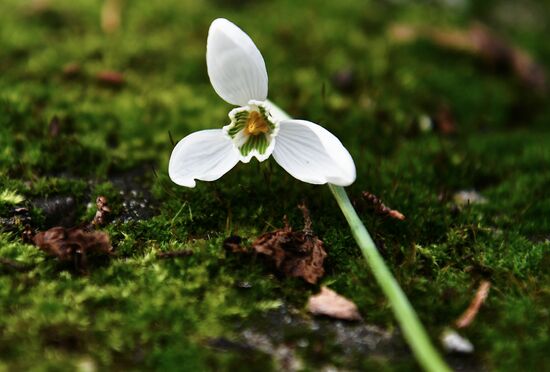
(141, 312)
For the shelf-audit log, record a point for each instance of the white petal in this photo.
(312, 154)
(235, 66)
(205, 155)
(276, 111)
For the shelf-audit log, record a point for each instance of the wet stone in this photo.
(137, 201)
(289, 336)
(58, 210)
(287, 326)
(17, 218)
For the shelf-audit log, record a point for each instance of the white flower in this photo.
(258, 128)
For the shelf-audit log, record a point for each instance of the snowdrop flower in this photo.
(258, 128)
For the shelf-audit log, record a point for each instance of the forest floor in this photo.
(442, 104)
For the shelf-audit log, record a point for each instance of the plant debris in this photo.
(381, 208)
(73, 244)
(481, 41)
(469, 315)
(298, 254)
(331, 304)
(111, 79)
(175, 254)
(102, 211)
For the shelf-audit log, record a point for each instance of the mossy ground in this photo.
(139, 312)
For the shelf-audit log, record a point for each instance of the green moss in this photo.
(137, 311)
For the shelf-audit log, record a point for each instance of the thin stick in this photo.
(469, 315)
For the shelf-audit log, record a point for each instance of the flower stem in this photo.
(414, 332)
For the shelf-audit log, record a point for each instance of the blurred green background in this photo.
(431, 98)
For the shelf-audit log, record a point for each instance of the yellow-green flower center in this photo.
(255, 124)
(251, 129)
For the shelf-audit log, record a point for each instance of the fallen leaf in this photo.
(330, 303)
(68, 244)
(295, 253)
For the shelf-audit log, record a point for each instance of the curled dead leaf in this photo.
(68, 244)
(295, 253)
(299, 254)
(330, 303)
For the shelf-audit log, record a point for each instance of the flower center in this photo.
(256, 124)
(252, 130)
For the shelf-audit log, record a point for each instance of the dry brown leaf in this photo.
(298, 254)
(330, 303)
(68, 244)
(295, 253)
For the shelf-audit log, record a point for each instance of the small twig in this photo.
(381, 208)
(15, 265)
(175, 254)
(469, 315)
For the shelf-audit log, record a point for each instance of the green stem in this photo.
(414, 332)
